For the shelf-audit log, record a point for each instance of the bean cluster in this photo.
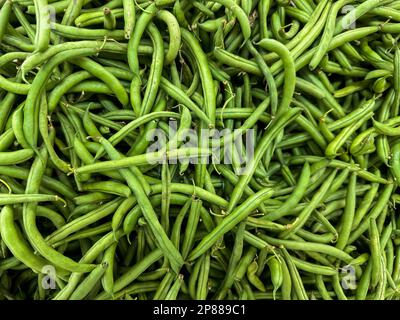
(101, 199)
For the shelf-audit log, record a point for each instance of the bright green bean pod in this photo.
(43, 28)
(174, 34)
(163, 241)
(236, 216)
(89, 282)
(107, 279)
(174, 290)
(15, 241)
(277, 270)
(192, 223)
(202, 281)
(110, 21)
(375, 253)
(295, 196)
(272, 131)
(129, 17)
(5, 12)
(296, 279)
(240, 15)
(348, 215)
(253, 278)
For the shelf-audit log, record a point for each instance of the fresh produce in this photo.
(191, 149)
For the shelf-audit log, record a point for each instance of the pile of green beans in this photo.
(89, 210)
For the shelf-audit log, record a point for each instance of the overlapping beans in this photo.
(192, 149)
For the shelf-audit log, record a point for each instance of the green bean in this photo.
(111, 187)
(29, 217)
(23, 21)
(304, 215)
(202, 281)
(163, 286)
(36, 59)
(267, 75)
(337, 287)
(144, 158)
(176, 230)
(133, 289)
(129, 18)
(332, 149)
(15, 157)
(244, 263)
(396, 269)
(133, 272)
(192, 222)
(83, 221)
(6, 105)
(42, 38)
(395, 160)
(321, 287)
(7, 199)
(237, 215)
(44, 128)
(253, 278)
(174, 34)
(277, 270)
(266, 140)
(373, 214)
(296, 279)
(342, 165)
(240, 15)
(375, 252)
(14, 240)
(93, 197)
(148, 211)
(30, 126)
(155, 71)
(263, 9)
(233, 262)
(166, 196)
(84, 234)
(182, 98)
(72, 11)
(133, 46)
(71, 32)
(360, 10)
(5, 12)
(295, 196)
(205, 74)
(312, 268)
(107, 279)
(308, 246)
(174, 290)
(110, 21)
(348, 215)
(97, 248)
(100, 72)
(17, 125)
(22, 173)
(87, 284)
